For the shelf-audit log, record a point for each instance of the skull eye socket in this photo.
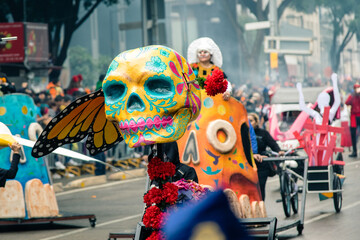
(159, 88)
(114, 91)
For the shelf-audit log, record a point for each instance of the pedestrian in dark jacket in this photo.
(11, 173)
(6, 87)
(264, 140)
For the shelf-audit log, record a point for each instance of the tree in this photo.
(62, 16)
(344, 17)
(251, 50)
(81, 62)
(345, 20)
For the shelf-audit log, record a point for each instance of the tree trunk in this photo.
(70, 25)
(335, 61)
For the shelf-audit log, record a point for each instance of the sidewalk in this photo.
(86, 180)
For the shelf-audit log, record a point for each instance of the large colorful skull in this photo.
(146, 91)
(217, 144)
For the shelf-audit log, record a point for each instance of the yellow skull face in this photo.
(146, 91)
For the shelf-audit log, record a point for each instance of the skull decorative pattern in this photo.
(147, 91)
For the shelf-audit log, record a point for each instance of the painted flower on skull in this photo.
(156, 65)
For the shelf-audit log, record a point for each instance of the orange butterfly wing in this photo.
(83, 117)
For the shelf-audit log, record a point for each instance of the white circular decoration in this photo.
(228, 129)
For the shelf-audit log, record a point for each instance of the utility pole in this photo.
(273, 18)
(144, 21)
(274, 31)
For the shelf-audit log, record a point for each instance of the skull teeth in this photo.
(132, 126)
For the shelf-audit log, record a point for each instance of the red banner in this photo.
(12, 51)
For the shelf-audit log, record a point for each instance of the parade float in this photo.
(30, 197)
(217, 144)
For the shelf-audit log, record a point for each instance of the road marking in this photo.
(118, 220)
(99, 186)
(352, 163)
(332, 213)
(89, 228)
(318, 218)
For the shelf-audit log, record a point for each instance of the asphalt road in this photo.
(118, 207)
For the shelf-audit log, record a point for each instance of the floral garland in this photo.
(158, 169)
(190, 191)
(215, 83)
(157, 199)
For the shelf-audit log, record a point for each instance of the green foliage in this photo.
(103, 63)
(82, 63)
(201, 81)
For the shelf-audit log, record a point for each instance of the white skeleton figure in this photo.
(323, 101)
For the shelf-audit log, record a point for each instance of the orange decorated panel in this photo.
(217, 144)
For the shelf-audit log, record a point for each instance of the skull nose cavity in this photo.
(135, 103)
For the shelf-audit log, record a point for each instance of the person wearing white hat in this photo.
(204, 56)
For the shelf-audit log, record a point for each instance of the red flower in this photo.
(167, 195)
(152, 217)
(170, 193)
(160, 169)
(215, 83)
(194, 66)
(154, 195)
(156, 235)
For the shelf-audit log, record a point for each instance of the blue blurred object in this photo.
(209, 218)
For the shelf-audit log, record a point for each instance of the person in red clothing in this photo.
(75, 88)
(354, 101)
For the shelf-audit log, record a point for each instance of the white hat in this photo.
(207, 44)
